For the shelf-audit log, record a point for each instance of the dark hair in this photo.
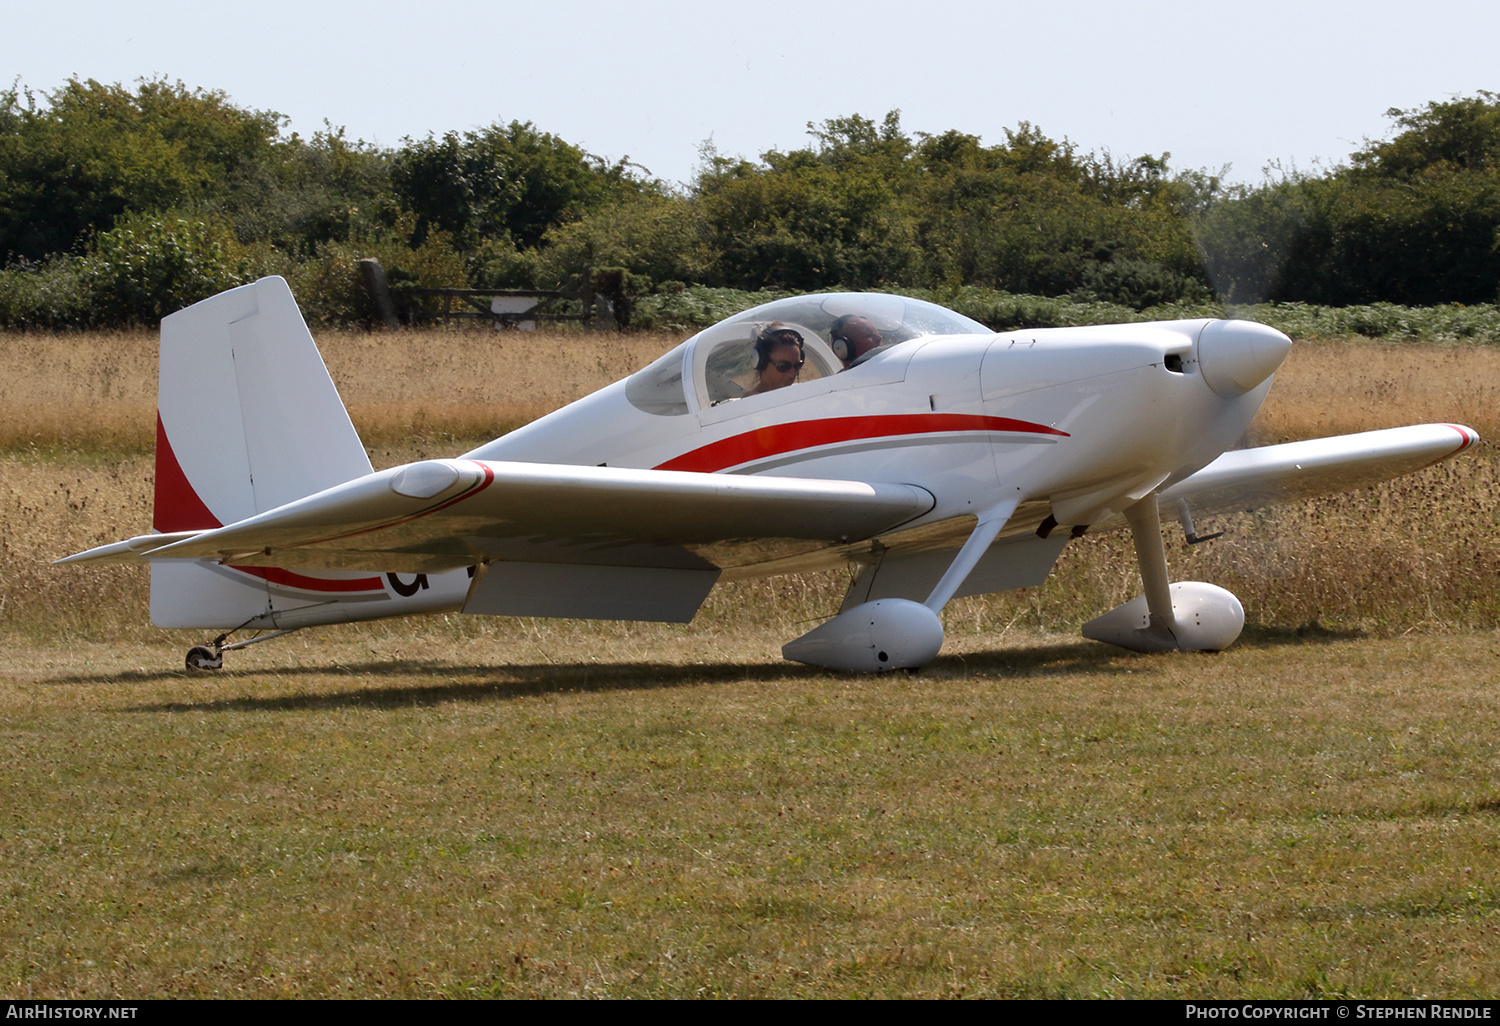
(771, 338)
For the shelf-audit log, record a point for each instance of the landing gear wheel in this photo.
(201, 657)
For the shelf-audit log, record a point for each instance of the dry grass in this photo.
(98, 389)
(1332, 388)
(468, 807)
(78, 413)
(93, 390)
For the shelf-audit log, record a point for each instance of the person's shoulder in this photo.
(867, 354)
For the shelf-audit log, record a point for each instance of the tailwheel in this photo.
(211, 656)
(201, 657)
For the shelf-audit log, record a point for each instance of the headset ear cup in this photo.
(841, 349)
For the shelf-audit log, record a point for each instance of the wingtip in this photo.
(1469, 435)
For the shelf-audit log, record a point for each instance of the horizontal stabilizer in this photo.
(129, 549)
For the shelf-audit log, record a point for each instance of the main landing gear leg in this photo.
(1151, 557)
(893, 633)
(1188, 615)
(211, 656)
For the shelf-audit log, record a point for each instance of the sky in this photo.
(1236, 86)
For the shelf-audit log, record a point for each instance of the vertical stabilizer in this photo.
(247, 420)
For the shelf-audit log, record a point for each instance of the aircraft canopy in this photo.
(719, 363)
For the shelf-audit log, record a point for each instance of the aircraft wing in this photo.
(446, 514)
(1248, 478)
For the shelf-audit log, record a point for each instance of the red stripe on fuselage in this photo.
(778, 439)
(276, 575)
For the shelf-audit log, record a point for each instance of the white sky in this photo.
(1239, 84)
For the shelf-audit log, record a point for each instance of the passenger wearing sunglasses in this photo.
(778, 359)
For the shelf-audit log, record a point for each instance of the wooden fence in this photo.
(506, 308)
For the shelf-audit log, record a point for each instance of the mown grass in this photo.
(474, 807)
(378, 814)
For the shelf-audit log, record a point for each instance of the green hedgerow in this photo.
(147, 267)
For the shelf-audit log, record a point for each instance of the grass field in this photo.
(471, 807)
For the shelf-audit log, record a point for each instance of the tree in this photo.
(1414, 219)
(822, 216)
(1460, 133)
(307, 192)
(91, 153)
(502, 180)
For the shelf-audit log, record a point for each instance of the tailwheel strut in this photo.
(211, 656)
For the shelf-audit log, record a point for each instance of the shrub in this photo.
(648, 234)
(499, 264)
(148, 267)
(694, 306)
(329, 288)
(51, 294)
(1137, 283)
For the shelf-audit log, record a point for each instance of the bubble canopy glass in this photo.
(718, 364)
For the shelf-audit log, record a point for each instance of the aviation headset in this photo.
(842, 347)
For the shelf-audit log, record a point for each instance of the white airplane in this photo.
(948, 460)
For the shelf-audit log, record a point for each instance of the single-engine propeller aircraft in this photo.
(944, 460)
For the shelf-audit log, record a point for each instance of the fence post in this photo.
(380, 293)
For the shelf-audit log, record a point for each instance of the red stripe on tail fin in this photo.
(177, 505)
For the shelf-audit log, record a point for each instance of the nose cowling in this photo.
(1236, 356)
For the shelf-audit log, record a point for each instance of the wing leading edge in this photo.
(446, 514)
(1248, 478)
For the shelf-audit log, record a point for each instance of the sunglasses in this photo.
(788, 365)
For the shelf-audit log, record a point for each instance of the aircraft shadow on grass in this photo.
(381, 682)
(504, 682)
(1087, 657)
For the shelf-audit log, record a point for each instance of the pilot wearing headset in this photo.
(853, 337)
(778, 359)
